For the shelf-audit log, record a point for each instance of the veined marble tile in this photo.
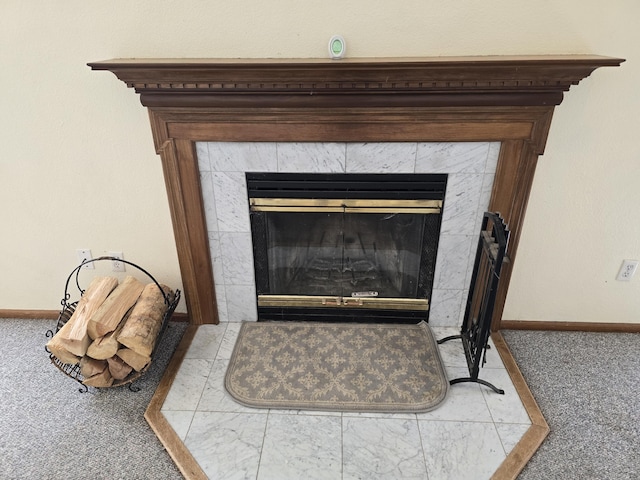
(301, 446)
(485, 198)
(232, 206)
(505, 408)
(492, 157)
(510, 434)
(237, 258)
(382, 449)
(391, 416)
(215, 397)
(452, 352)
(452, 157)
(206, 342)
(460, 450)
(444, 331)
(206, 183)
(228, 341)
(216, 257)
(381, 157)
(180, 421)
(461, 204)
(444, 308)
(202, 152)
(464, 402)
(227, 445)
(241, 303)
(318, 157)
(243, 156)
(493, 357)
(221, 302)
(188, 385)
(452, 262)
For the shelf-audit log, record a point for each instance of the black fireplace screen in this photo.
(318, 243)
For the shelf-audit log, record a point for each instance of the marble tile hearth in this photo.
(467, 437)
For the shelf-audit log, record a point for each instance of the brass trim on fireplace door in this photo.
(344, 205)
(337, 301)
(344, 202)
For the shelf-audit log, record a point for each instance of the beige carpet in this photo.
(337, 366)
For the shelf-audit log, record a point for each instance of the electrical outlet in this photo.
(117, 266)
(84, 254)
(627, 270)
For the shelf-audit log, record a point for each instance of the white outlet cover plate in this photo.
(627, 270)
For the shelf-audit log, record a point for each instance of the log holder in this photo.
(68, 308)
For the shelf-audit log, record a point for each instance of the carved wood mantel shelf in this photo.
(449, 99)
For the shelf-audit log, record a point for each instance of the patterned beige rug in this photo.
(337, 366)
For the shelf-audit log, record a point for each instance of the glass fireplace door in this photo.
(342, 253)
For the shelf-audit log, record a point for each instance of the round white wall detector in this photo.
(337, 47)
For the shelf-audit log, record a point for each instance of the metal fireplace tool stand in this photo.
(476, 325)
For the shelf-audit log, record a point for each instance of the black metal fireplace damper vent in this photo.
(350, 247)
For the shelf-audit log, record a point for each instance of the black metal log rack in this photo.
(68, 308)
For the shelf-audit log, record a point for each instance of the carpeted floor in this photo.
(587, 385)
(588, 388)
(49, 430)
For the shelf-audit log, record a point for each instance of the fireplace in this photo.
(228, 173)
(509, 100)
(358, 247)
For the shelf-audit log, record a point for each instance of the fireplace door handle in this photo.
(351, 302)
(333, 301)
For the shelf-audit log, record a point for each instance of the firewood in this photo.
(141, 329)
(103, 379)
(135, 360)
(118, 369)
(90, 366)
(113, 309)
(76, 338)
(68, 344)
(60, 351)
(106, 346)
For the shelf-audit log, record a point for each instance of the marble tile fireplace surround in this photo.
(482, 120)
(470, 167)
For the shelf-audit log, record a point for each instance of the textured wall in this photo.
(78, 170)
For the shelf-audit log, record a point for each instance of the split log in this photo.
(60, 351)
(69, 343)
(76, 338)
(107, 346)
(103, 379)
(118, 369)
(90, 366)
(141, 329)
(113, 309)
(135, 360)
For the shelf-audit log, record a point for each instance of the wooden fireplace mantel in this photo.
(450, 99)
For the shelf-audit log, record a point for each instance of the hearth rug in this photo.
(351, 367)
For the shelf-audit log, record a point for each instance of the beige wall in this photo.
(78, 170)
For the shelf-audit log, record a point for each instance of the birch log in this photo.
(143, 325)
